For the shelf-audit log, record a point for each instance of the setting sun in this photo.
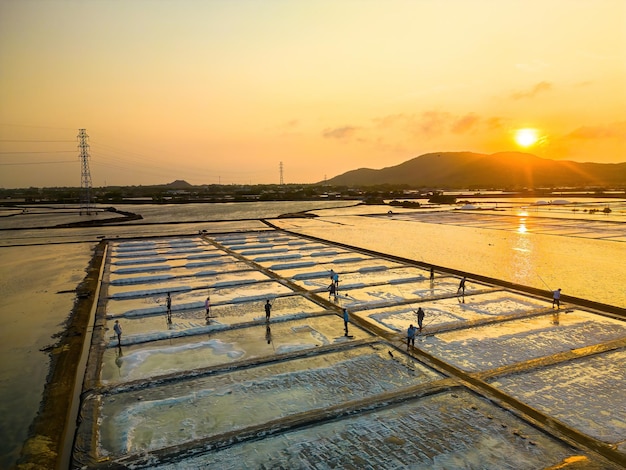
(526, 137)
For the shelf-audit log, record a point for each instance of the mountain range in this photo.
(499, 170)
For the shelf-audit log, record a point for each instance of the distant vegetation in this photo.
(427, 177)
(182, 192)
(401, 195)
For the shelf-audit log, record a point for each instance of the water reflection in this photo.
(523, 255)
(522, 226)
(118, 359)
(268, 334)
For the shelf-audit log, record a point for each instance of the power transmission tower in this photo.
(282, 181)
(85, 178)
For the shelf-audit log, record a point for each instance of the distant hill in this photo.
(178, 184)
(498, 170)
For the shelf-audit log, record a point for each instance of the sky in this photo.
(299, 91)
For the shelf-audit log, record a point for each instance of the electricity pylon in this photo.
(85, 178)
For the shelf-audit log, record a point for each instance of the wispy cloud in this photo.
(426, 125)
(287, 128)
(341, 133)
(390, 120)
(496, 122)
(436, 123)
(465, 124)
(431, 123)
(610, 131)
(538, 88)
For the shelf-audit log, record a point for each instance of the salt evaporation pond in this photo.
(497, 345)
(233, 391)
(164, 416)
(219, 345)
(539, 243)
(597, 382)
(451, 430)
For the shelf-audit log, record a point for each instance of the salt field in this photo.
(490, 383)
(220, 386)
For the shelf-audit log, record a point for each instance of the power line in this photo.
(47, 141)
(36, 127)
(38, 163)
(49, 151)
(129, 161)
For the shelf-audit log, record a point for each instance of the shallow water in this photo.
(588, 267)
(141, 361)
(33, 309)
(205, 407)
(453, 430)
(557, 387)
(488, 347)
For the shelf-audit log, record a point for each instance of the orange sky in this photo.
(223, 91)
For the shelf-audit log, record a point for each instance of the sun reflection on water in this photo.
(522, 226)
